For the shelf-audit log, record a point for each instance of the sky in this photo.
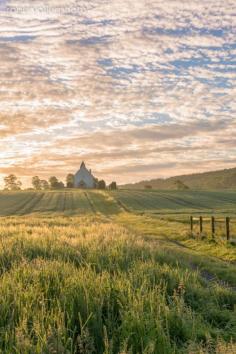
(137, 89)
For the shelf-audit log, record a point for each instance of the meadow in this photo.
(116, 272)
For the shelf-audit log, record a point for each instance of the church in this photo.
(84, 178)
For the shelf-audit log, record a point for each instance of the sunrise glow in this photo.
(137, 89)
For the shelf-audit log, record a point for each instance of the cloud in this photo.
(120, 84)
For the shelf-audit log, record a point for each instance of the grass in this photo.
(152, 202)
(81, 274)
(173, 202)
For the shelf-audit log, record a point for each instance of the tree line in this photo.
(13, 183)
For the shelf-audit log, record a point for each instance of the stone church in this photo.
(84, 178)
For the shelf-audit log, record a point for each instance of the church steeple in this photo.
(84, 178)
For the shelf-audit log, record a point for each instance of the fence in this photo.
(212, 226)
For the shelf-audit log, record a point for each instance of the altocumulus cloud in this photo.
(138, 89)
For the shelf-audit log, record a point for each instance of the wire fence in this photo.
(213, 227)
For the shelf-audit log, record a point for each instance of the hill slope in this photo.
(223, 179)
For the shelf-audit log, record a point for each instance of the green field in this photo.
(116, 272)
(82, 202)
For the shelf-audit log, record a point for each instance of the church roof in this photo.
(84, 178)
(84, 168)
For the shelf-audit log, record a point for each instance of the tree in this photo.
(102, 184)
(60, 185)
(70, 180)
(113, 186)
(53, 181)
(40, 184)
(36, 183)
(12, 183)
(96, 181)
(44, 184)
(55, 184)
(180, 185)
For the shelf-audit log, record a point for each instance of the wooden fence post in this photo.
(200, 226)
(227, 220)
(213, 227)
(191, 225)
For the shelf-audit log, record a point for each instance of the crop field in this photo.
(76, 202)
(116, 273)
(178, 201)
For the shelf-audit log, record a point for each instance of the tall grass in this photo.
(88, 285)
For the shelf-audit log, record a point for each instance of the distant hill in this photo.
(223, 179)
